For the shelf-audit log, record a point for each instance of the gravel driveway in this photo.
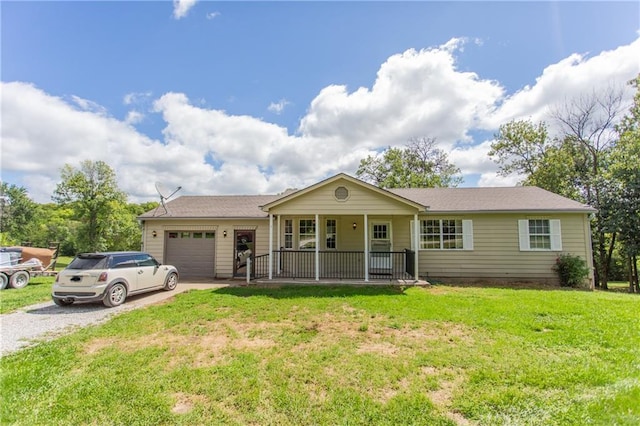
(46, 321)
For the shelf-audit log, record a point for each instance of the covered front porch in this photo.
(301, 265)
(342, 229)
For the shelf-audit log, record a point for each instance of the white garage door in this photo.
(192, 252)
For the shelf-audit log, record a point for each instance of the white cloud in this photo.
(87, 105)
(213, 15)
(416, 93)
(136, 98)
(41, 133)
(182, 7)
(473, 159)
(208, 151)
(570, 78)
(134, 117)
(493, 179)
(278, 107)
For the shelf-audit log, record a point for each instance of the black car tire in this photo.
(115, 296)
(172, 282)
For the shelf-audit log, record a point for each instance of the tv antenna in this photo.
(164, 196)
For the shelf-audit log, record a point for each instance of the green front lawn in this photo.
(38, 290)
(341, 355)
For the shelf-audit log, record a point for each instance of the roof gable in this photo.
(358, 193)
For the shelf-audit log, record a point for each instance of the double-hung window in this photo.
(307, 234)
(540, 235)
(446, 234)
(331, 231)
(288, 233)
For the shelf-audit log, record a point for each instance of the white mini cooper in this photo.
(110, 277)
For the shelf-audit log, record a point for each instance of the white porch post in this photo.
(366, 248)
(279, 246)
(317, 247)
(416, 243)
(270, 246)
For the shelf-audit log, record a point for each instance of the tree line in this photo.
(88, 213)
(594, 160)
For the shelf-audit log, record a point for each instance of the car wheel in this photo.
(62, 302)
(115, 295)
(19, 280)
(172, 282)
(4, 280)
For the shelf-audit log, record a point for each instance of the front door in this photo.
(244, 250)
(380, 248)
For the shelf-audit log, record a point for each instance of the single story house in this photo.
(345, 229)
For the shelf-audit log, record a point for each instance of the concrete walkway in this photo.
(46, 321)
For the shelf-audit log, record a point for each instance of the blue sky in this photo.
(256, 97)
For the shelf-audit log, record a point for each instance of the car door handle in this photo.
(140, 271)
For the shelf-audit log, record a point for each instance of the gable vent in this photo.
(341, 193)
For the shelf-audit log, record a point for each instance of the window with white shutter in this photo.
(540, 235)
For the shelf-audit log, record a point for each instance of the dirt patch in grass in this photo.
(211, 343)
(215, 340)
(184, 403)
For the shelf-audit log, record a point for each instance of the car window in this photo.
(88, 262)
(146, 260)
(123, 261)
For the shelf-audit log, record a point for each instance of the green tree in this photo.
(624, 178)
(18, 214)
(92, 192)
(588, 122)
(524, 148)
(573, 165)
(520, 147)
(57, 223)
(420, 164)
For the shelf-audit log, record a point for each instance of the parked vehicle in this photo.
(19, 263)
(111, 277)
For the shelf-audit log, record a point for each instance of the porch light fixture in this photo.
(224, 233)
(355, 225)
(154, 234)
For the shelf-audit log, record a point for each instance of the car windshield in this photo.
(88, 262)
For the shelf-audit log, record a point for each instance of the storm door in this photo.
(380, 248)
(244, 250)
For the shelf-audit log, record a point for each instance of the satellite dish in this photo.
(164, 196)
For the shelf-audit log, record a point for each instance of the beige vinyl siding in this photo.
(497, 255)
(322, 201)
(224, 252)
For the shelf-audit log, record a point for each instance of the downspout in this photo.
(366, 248)
(589, 251)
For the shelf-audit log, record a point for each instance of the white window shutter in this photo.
(556, 235)
(523, 231)
(467, 235)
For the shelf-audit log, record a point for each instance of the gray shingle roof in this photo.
(504, 199)
(209, 206)
(449, 200)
